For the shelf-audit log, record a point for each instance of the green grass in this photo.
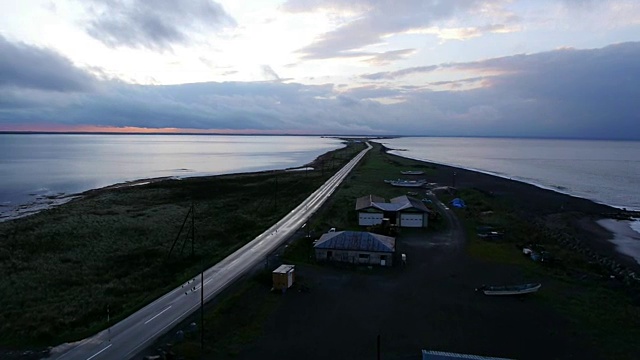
(236, 321)
(300, 252)
(63, 267)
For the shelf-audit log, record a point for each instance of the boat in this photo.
(510, 289)
(408, 183)
(412, 172)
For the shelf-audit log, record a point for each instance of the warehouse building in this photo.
(402, 211)
(356, 247)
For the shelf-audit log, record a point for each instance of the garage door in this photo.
(411, 220)
(368, 219)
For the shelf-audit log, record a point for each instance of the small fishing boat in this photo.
(412, 172)
(408, 183)
(510, 289)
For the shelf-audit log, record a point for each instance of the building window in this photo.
(363, 256)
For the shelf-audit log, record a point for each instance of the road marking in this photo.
(160, 313)
(99, 352)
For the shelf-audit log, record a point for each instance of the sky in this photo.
(534, 68)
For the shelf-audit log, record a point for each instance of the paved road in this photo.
(130, 336)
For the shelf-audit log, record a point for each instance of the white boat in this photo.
(408, 183)
(412, 172)
(510, 289)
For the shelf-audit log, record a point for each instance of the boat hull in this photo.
(510, 290)
(407, 184)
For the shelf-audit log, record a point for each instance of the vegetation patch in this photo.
(63, 267)
(233, 323)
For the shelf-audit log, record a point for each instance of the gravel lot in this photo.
(428, 304)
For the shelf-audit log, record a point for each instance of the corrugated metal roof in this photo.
(367, 201)
(409, 202)
(397, 204)
(386, 206)
(440, 355)
(356, 240)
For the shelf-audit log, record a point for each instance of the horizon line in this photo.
(372, 136)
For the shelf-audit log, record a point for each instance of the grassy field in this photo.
(233, 323)
(63, 267)
(602, 311)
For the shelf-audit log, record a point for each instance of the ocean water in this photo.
(607, 172)
(38, 170)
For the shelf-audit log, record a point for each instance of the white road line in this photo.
(158, 314)
(99, 352)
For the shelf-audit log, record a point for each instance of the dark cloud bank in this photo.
(563, 93)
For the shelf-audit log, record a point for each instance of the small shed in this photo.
(283, 277)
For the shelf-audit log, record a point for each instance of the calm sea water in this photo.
(35, 167)
(607, 172)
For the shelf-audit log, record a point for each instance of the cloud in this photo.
(26, 66)
(269, 73)
(465, 33)
(373, 20)
(390, 56)
(561, 93)
(387, 75)
(461, 84)
(155, 25)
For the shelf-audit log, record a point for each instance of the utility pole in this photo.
(109, 322)
(193, 234)
(276, 194)
(193, 227)
(202, 307)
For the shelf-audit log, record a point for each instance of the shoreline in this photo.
(544, 187)
(113, 245)
(549, 202)
(593, 211)
(560, 211)
(46, 202)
